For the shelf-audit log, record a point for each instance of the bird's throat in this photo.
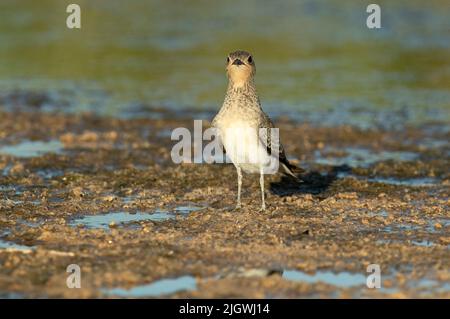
(241, 86)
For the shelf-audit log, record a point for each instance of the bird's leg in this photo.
(239, 174)
(261, 183)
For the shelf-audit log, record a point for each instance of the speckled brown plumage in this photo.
(242, 108)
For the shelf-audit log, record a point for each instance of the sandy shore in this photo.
(369, 197)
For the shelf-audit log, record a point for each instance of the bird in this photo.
(245, 130)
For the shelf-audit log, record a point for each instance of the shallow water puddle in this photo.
(421, 243)
(431, 143)
(21, 202)
(433, 226)
(105, 220)
(342, 279)
(348, 280)
(32, 148)
(187, 209)
(381, 213)
(157, 288)
(11, 295)
(8, 245)
(438, 225)
(411, 182)
(401, 228)
(50, 173)
(414, 182)
(430, 285)
(360, 157)
(7, 188)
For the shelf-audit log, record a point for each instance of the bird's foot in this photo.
(238, 206)
(262, 209)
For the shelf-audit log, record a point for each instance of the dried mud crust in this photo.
(341, 219)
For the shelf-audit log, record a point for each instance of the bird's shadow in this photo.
(313, 182)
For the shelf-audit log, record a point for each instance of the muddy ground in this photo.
(368, 197)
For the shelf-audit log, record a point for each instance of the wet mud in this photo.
(103, 193)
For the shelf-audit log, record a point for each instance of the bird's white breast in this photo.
(243, 145)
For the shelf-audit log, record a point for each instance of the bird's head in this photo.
(240, 68)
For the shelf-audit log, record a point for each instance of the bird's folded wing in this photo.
(271, 141)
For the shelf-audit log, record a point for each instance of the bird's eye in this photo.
(250, 59)
(228, 60)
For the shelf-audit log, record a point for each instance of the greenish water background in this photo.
(316, 60)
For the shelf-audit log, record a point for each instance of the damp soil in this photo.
(104, 194)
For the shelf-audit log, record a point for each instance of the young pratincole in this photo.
(248, 135)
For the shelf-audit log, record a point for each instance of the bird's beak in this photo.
(238, 62)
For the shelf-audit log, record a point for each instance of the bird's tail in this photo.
(292, 170)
